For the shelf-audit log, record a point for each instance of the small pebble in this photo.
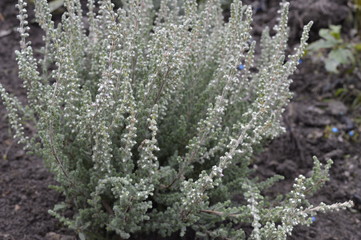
(337, 108)
(17, 207)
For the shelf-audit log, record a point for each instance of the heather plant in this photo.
(149, 119)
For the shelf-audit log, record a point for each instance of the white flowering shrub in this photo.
(149, 119)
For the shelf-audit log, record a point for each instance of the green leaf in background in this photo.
(357, 3)
(81, 236)
(331, 65)
(326, 34)
(357, 46)
(55, 4)
(338, 56)
(342, 55)
(340, 91)
(320, 44)
(335, 31)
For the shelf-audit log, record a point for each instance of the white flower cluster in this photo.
(149, 117)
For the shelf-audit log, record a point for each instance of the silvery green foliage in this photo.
(149, 124)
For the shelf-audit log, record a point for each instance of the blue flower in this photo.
(241, 67)
(334, 130)
(313, 219)
(300, 61)
(351, 133)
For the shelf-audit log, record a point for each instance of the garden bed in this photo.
(317, 123)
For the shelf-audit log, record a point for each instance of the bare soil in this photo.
(25, 196)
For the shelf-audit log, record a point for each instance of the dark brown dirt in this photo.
(25, 197)
(309, 120)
